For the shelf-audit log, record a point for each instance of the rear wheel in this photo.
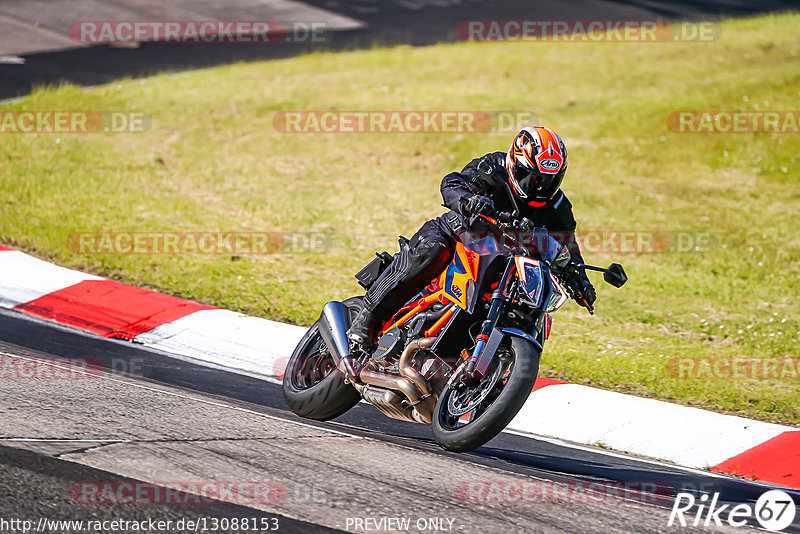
(466, 417)
(312, 385)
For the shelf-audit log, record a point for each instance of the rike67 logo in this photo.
(774, 510)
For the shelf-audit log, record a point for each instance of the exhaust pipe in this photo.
(385, 391)
(333, 325)
(390, 403)
(408, 372)
(369, 375)
(411, 384)
(425, 404)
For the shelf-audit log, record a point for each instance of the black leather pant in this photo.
(427, 254)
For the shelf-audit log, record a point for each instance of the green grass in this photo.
(213, 161)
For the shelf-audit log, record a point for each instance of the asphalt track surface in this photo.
(152, 418)
(387, 22)
(36, 486)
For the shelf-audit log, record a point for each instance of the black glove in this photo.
(476, 204)
(579, 287)
(587, 290)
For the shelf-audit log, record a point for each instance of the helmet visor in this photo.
(524, 179)
(535, 185)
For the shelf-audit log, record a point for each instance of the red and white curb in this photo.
(686, 436)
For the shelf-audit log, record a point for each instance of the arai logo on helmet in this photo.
(550, 164)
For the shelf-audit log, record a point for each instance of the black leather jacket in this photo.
(556, 215)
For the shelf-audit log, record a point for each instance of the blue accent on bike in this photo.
(519, 333)
(455, 268)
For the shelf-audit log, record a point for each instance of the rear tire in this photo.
(328, 398)
(494, 418)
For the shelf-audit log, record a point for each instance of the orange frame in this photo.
(451, 286)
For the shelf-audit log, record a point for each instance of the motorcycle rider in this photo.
(528, 178)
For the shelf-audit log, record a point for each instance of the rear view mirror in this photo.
(615, 275)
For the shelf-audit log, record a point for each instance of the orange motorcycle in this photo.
(463, 355)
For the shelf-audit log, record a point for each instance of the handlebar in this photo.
(505, 222)
(573, 283)
(568, 274)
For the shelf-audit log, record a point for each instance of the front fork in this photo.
(480, 360)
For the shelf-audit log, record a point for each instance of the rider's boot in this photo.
(361, 330)
(360, 335)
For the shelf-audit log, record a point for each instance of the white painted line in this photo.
(614, 454)
(687, 436)
(666, 465)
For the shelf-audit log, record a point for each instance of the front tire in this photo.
(312, 385)
(514, 373)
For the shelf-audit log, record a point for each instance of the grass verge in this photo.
(213, 161)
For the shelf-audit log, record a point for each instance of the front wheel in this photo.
(466, 417)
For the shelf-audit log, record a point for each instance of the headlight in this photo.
(557, 298)
(530, 275)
